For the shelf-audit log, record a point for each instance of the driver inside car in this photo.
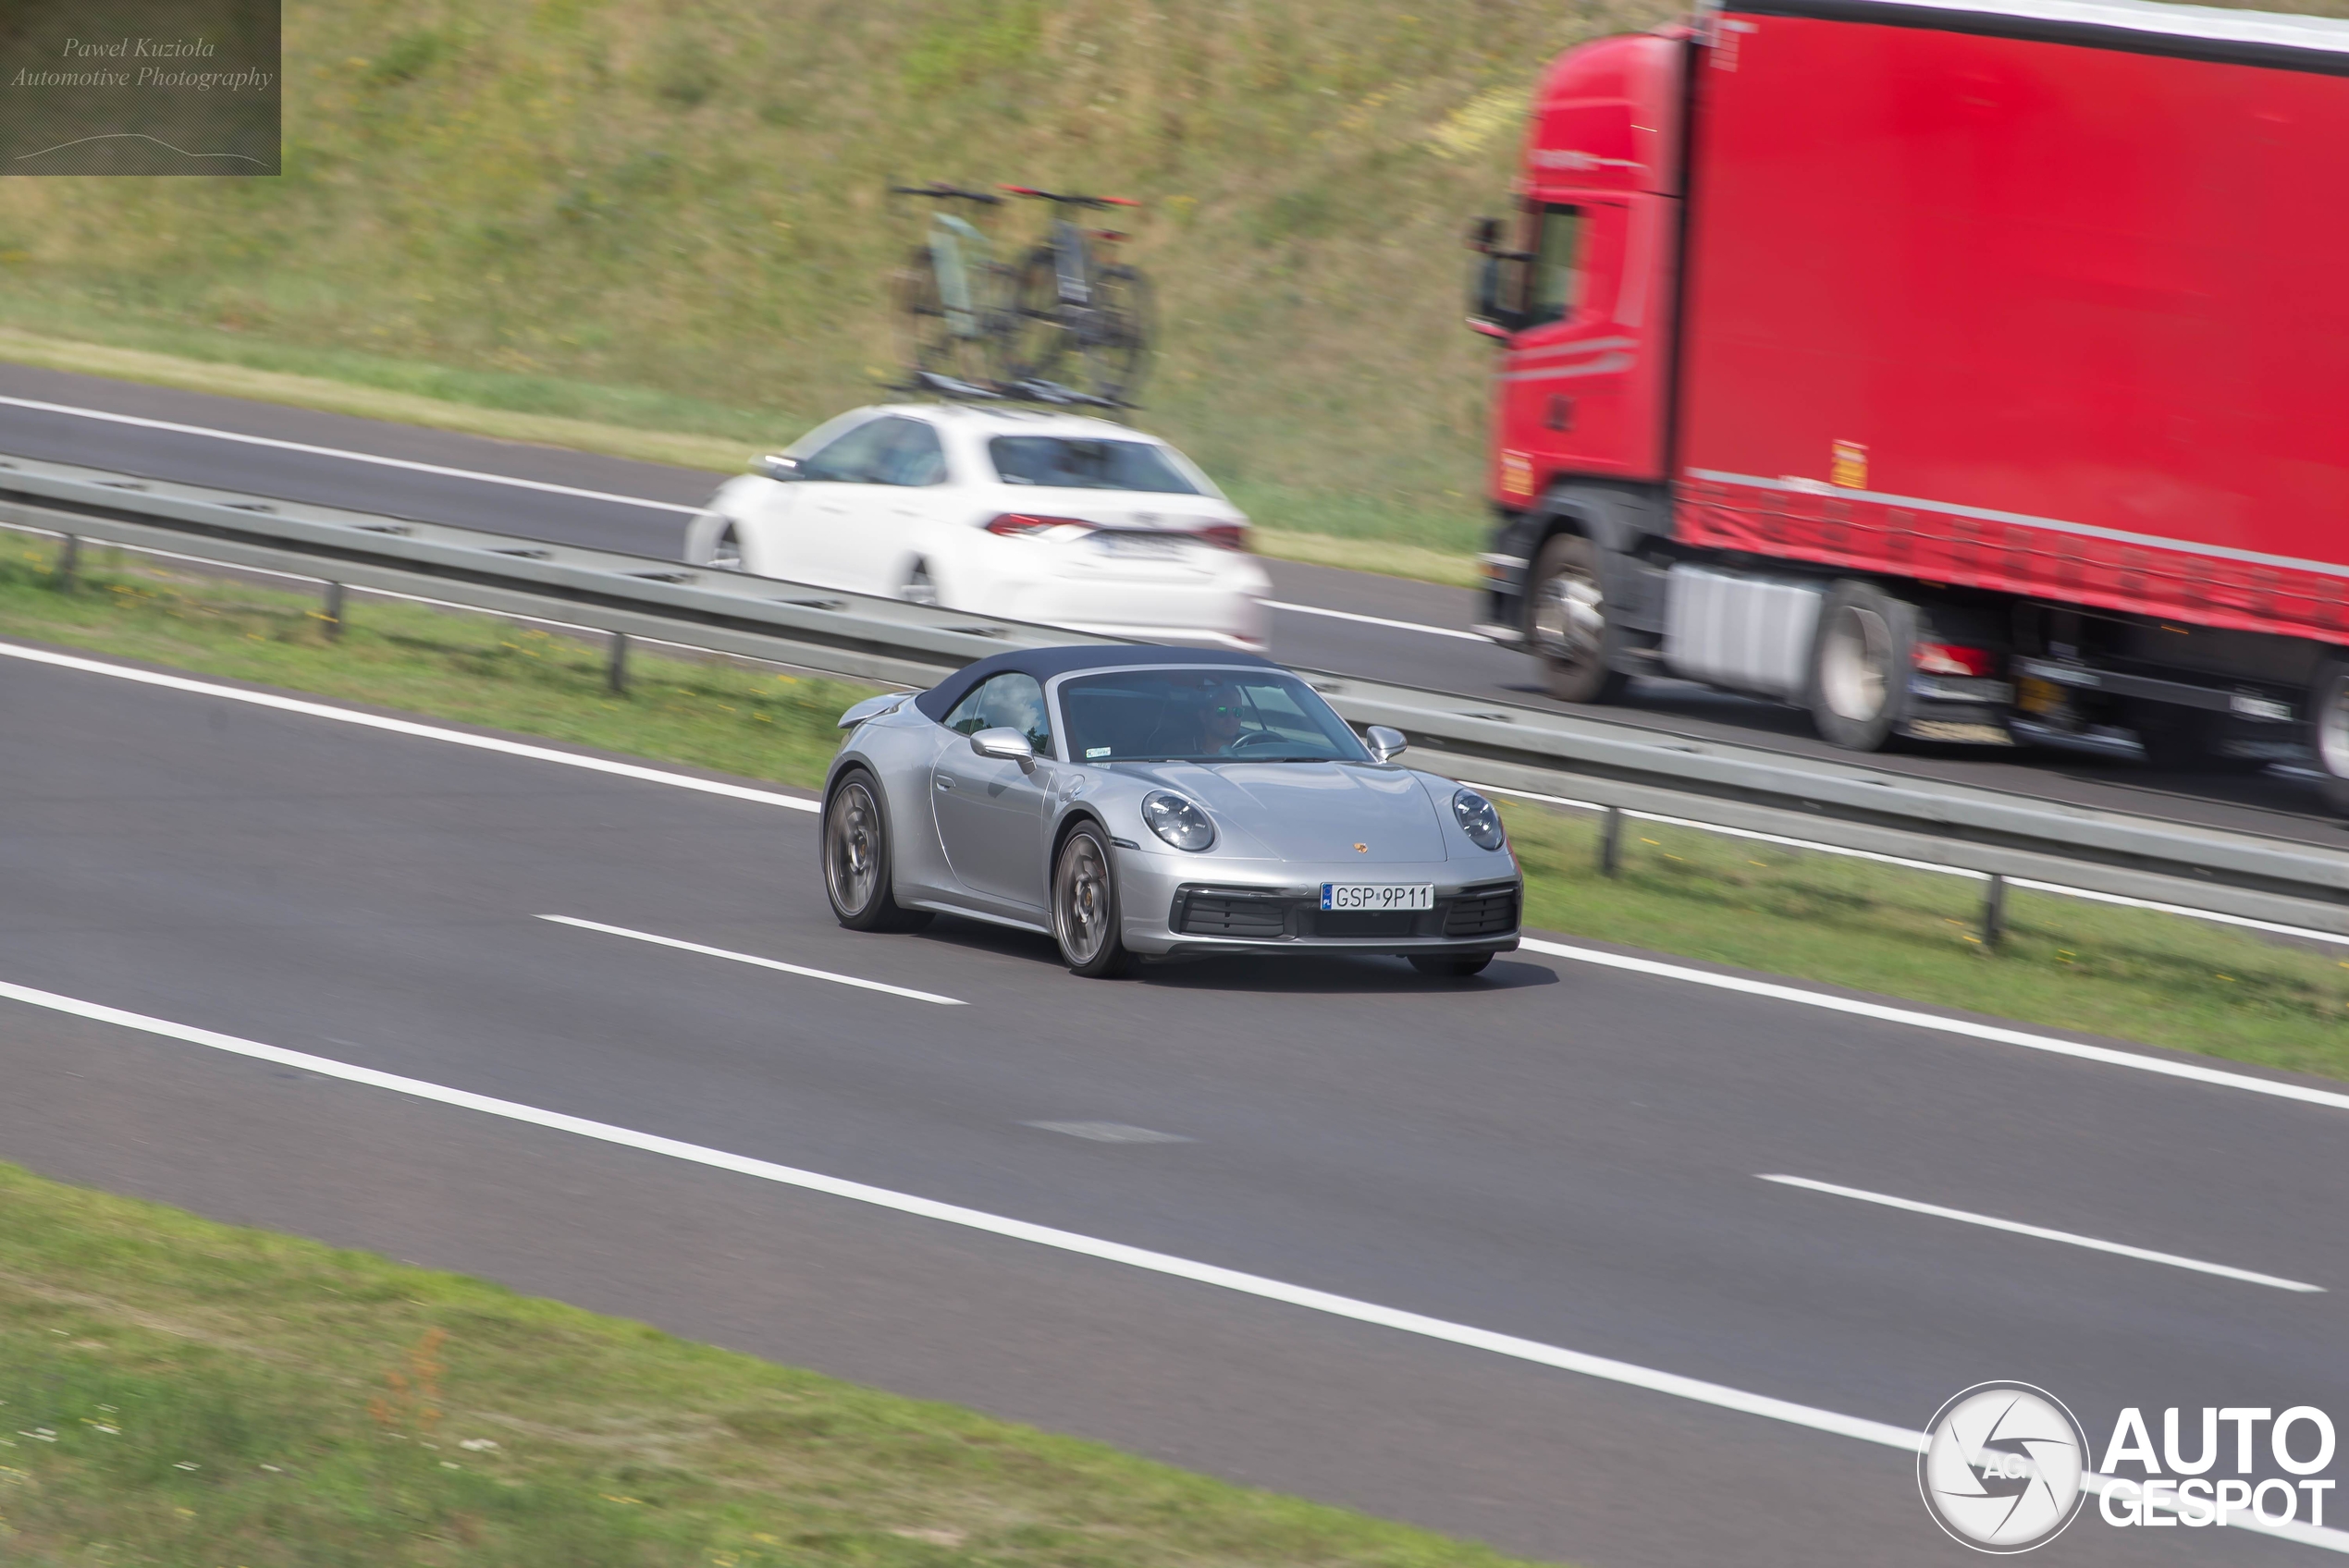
(1219, 720)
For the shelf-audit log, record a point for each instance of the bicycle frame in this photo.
(948, 236)
(1072, 263)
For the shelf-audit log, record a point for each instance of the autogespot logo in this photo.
(2002, 1467)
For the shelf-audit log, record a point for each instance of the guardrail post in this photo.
(1611, 841)
(1994, 911)
(616, 673)
(68, 560)
(332, 614)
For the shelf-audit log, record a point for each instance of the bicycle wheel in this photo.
(1039, 338)
(1117, 347)
(925, 335)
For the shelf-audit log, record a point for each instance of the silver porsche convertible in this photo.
(1134, 800)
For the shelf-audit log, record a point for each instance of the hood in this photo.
(1310, 810)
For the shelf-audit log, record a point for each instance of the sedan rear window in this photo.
(1201, 715)
(1076, 464)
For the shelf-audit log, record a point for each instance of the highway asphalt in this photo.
(1358, 623)
(1562, 1151)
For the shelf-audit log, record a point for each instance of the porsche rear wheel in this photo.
(1086, 920)
(856, 859)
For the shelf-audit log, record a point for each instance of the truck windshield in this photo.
(1075, 463)
(1201, 715)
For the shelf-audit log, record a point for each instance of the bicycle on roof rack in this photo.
(952, 299)
(1078, 324)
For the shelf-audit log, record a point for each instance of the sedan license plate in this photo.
(1143, 547)
(1378, 895)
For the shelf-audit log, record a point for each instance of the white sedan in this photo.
(1032, 516)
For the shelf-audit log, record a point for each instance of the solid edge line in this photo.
(2216, 916)
(1603, 1367)
(1534, 1351)
(2043, 1233)
(754, 959)
(2330, 1098)
(1373, 620)
(283, 445)
(411, 727)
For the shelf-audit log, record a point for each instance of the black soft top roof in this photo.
(1045, 663)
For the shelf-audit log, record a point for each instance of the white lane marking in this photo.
(2043, 1233)
(1109, 1133)
(978, 1219)
(2331, 1098)
(305, 448)
(1617, 960)
(2215, 916)
(1373, 620)
(755, 959)
(410, 726)
(1606, 1368)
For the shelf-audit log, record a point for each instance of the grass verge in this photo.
(2132, 973)
(187, 1394)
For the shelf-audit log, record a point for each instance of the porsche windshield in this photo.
(1201, 715)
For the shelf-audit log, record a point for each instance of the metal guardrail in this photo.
(821, 630)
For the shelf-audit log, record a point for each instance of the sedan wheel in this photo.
(726, 555)
(919, 589)
(857, 860)
(1084, 909)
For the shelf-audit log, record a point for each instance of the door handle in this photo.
(944, 783)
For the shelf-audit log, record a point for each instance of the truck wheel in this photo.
(1859, 666)
(2329, 731)
(1565, 623)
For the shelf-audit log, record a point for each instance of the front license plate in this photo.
(1378, 895)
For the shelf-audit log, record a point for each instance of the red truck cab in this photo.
(1959, 373)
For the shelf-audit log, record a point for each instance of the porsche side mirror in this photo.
(1385, 745)
(774, 465)
(1004, 745)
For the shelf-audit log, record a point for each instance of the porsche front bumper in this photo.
(1187, 904)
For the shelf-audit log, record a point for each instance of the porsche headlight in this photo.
(1177, 821)
(1478, 819)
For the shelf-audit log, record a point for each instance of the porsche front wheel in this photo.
(1084, 909)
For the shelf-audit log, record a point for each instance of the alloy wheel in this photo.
(1081, 900)
(852, 849)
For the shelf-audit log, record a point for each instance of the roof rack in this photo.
(1032, 390)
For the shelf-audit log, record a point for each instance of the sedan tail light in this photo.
(1227, 535)
(1016, 525)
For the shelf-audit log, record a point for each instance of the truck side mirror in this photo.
(1484, 236)
(1487, 315)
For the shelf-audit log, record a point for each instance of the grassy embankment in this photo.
(668, 215)
(190, 1396)
(2160, 979)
